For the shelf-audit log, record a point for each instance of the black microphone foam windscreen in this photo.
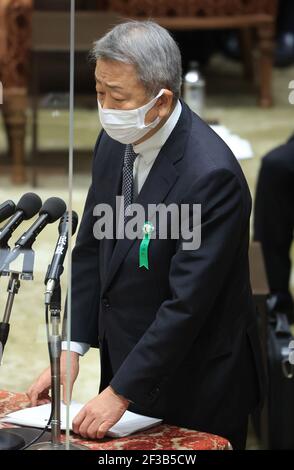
(7, 209)
(75, 221)
(64, 221)
(54, 207)
(30, 204)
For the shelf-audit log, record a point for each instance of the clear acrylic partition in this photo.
(92, 20)
(35, 143)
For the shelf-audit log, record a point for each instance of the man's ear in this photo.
(165, 103)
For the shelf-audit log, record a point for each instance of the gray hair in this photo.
(150, 48)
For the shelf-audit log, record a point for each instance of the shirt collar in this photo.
(150, 148)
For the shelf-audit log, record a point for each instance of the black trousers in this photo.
(274, 215)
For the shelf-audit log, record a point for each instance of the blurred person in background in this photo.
(274, 223)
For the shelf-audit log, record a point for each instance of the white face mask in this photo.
(127, 125)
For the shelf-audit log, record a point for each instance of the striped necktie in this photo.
(128, 180)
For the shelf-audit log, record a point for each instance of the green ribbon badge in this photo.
(143, 254)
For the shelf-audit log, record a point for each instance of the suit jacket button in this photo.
(105, 302)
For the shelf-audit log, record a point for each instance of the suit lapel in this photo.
(112, 175)
(160, 180)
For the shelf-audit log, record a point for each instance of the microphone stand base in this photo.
(61, 446)
(10, 441)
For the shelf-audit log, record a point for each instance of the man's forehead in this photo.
(114, 68)
(117, 75)
(109, 83)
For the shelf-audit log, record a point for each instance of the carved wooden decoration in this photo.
(15, 37)
(16, 18)
(201, 8)
(210, 14)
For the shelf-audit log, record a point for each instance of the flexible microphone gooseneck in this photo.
(55, 269)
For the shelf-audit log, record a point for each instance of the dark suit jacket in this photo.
(182, 336)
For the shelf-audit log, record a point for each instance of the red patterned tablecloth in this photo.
(161, 437)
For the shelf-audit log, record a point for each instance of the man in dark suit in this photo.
(175, 324)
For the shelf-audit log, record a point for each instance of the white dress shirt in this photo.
(147, 152)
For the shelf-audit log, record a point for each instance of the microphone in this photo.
(28, 206)
(51, 210)
(7, 209)
(55, 269)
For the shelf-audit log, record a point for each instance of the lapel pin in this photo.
(148, 228)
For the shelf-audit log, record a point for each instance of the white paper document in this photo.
(241, 148)
(38, 416)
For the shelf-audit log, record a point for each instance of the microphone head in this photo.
(54, 207)
(75, 221)
(29, 204)
(64, 222)
(7, 209)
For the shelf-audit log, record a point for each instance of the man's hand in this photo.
(100, 414)
(38, 393)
